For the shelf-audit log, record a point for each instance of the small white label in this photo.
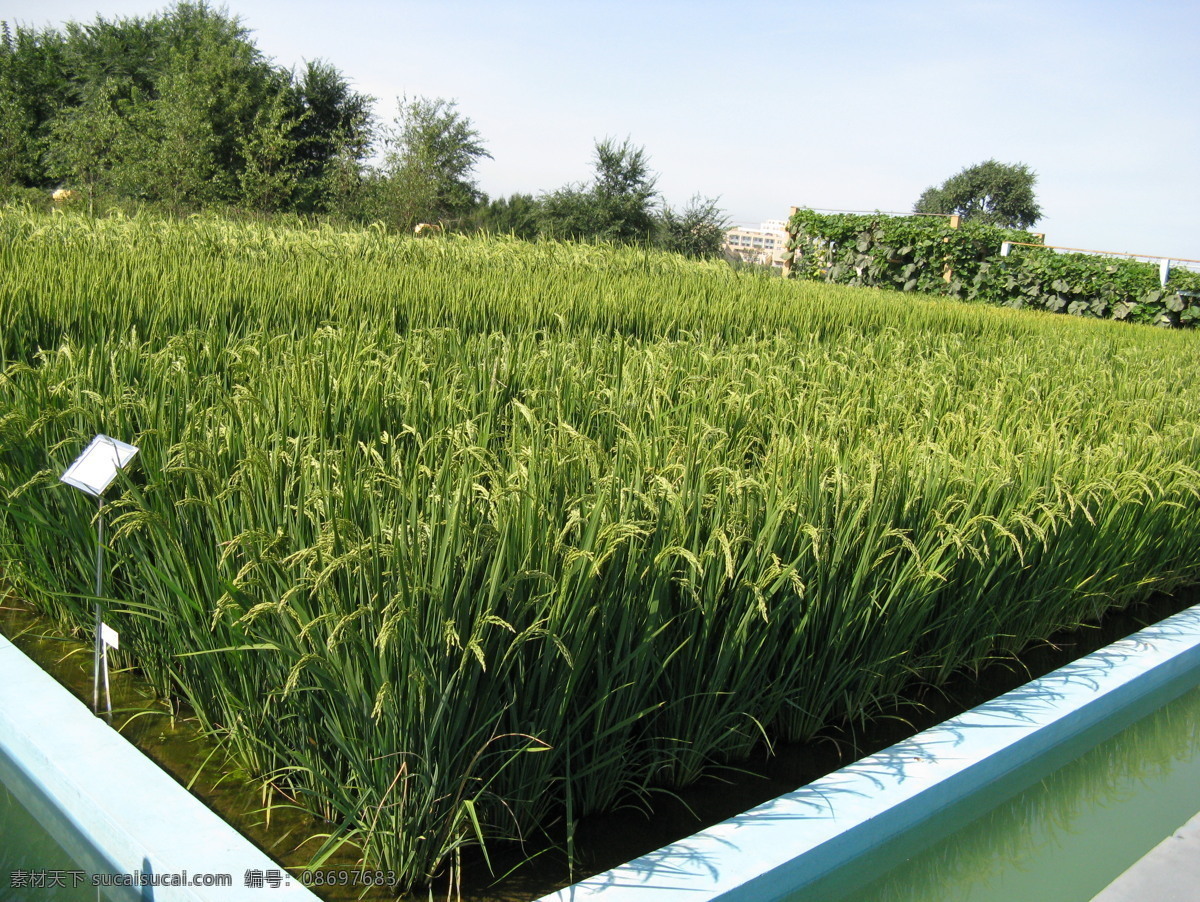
(109, 636)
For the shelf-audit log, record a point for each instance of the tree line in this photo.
(182, 111)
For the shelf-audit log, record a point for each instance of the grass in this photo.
(462, 539)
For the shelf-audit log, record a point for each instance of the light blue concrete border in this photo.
(798, 839)
(138, 818)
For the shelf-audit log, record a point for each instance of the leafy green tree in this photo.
(33, 88)
(216, 93)
(698, 230)
(179, 108)
(130, 52)
(428, 170)
(270, 174)
(625, 190)
(989, 192)
(618, 205)
(623, 170)
(572, 213)
(332, 129)
(89, 141)
(348, 189)
(516, 215)
(165, 109)
(17, 124)
(180, 157)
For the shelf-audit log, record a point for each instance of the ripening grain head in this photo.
(458, 532)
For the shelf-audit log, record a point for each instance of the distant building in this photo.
(765, 244)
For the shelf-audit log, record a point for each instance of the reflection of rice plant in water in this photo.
(1106, 776)
(461, 538)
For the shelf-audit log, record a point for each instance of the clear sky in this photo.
(855, 104)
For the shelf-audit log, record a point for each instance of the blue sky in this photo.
(851, 105)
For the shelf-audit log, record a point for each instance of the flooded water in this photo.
(42, 856)
(178, 746)
(1065, 837)
(606, 841)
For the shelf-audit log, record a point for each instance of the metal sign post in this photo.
(92, 472)
(98, 650)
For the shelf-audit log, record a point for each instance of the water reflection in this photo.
(1068, 835)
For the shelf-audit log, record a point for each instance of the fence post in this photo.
(948, 270)
(789, 252)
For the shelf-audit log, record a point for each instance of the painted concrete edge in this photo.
(138, 817)
(797, 838)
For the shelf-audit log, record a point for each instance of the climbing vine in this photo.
(926, 254)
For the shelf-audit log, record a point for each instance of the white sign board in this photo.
(110, 636)
(96, 468)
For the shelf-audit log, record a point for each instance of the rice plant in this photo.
(461, 540)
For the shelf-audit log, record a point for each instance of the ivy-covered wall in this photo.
(925, 253)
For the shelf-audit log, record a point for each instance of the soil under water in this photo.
(282, 830)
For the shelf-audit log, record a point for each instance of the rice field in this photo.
(460, 540)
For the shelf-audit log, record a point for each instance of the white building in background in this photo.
(765, 244)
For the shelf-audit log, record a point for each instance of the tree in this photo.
(87, 142)
(428, 170)
(33, 88)
(572, 213)
(332, 131)
(270, 174)
(167, 108)
(180, 108)
(618, 205)
(696, 231)
(990, 192)
(625, 190)
(516, 215)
